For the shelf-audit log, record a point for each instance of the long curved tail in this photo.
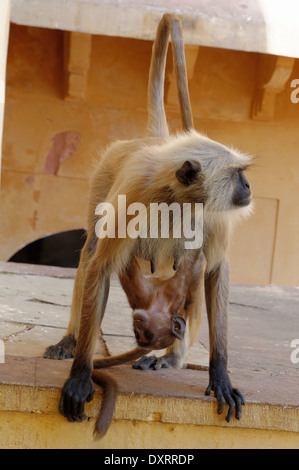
(157, 123)
(109, 397)
(120, 358)
(109, 386)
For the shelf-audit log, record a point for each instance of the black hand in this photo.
(145, 362)
(76, 391)
(220, 384)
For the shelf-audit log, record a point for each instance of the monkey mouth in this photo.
(143, 344)
(242, 202)
(245, 202)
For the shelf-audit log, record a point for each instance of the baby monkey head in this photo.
(157, 330)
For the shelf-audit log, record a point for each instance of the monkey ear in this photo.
(187, 174)
(178, 326)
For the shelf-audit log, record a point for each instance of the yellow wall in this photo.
(35, 203)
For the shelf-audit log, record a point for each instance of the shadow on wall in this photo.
(61, 249)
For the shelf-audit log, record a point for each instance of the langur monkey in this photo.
(183, 168)
(160, 309)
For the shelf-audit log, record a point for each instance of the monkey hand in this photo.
(220, 384)
(76, 391)
(156, 363)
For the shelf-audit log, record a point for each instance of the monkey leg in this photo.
(79, 387)
(65, 348)
(217, 288)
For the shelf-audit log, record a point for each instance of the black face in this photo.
(242, 193)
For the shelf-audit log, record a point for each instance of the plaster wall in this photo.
(50, 141)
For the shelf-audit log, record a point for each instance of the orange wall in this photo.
(40, 123)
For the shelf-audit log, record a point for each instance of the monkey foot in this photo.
(225, 393)
(156, 363)
(76, 391)
(63, 350)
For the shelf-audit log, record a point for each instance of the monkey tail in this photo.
(109, 386)
(157, 123)
(110, 391)
(120, 358)
(181, 73)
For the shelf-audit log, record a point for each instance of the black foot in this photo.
(156, 363)
(63, 350)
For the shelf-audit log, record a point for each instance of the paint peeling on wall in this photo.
(64, 145)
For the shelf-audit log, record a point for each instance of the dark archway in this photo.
(61, 249)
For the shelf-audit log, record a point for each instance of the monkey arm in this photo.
(79, 387)
(216, 291)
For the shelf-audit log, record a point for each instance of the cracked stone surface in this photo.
(263, 321)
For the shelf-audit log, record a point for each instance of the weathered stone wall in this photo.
(70, 94)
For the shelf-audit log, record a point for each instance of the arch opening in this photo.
(60, 249)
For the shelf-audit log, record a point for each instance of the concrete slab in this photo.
(173, 396)
(35, 310)
(263, 322)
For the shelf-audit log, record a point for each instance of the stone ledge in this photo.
(265, 27)
(33, 385)
(155, 409)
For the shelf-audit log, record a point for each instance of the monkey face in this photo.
(214, 174)
(224, 190)
(157, 330)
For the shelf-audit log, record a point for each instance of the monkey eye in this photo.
(241, 169)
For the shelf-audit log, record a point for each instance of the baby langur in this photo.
(159, 306)
(160, 168)
(160, 310)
